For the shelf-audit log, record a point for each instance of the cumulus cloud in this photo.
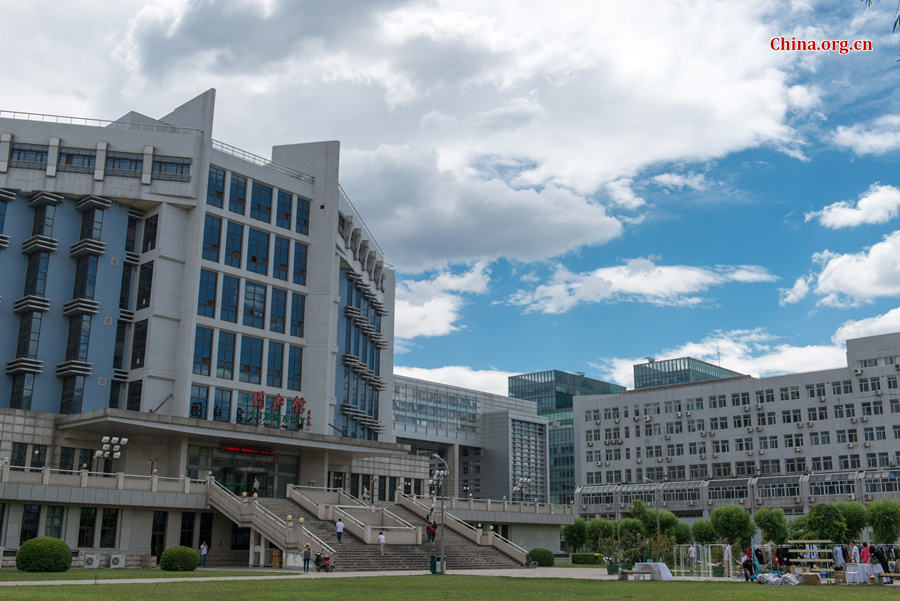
(753, 352)
(486, 380)
(885, 323)
(878, 204)
(431, 307)
(796, 293)
(622, 194)
(695, 181)
(637, 280)
(879, 136)
(848, 279)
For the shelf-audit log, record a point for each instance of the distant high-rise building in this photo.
(553, 391)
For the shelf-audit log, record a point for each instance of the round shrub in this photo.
(44, 554)
(179, 559)
(543, 557)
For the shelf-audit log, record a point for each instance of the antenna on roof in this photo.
(718, 356)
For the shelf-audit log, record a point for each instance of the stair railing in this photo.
(451, 521)
(508, 547)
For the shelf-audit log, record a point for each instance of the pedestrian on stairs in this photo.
(381, 541)
(366, 494)
(306, 554)
(431, 530)
(339, 530)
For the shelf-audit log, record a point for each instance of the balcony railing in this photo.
(261, 161)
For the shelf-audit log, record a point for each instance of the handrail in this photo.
(346, 197)
(318, 540)
(261, 161)
(269, 514)
(398, 518)
(510, 543)
(448, 517)
(90, 122)
(338, 509)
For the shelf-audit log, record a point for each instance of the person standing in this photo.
(692, 557)
(727, 560)
(864, 553)
(339, 530)
(306, 554)
(854, 552)
(366, 495)
(255, 487)
(381, 541)
(204, 551)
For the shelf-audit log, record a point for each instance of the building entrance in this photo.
(244, 479)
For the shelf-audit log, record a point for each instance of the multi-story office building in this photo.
(682, 370)
(553, 391)
(491, 442)
(784, 441)
(225, 313)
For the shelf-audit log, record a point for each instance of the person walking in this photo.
(306, 554)
(255, 487)
(727, 560)
(339, 530)
(431, 531)
(854, 553)
(692, 557)
(204, 551)
(366, 495)
(381, 542)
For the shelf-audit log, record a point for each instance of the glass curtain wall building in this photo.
(682, 370)
(553, 391)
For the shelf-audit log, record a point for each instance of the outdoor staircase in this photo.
(354, 555)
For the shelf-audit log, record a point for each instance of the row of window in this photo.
(273, 411)
(83, 160)
(257, 251)
(261, 197)
(253, 307)
(251, 359)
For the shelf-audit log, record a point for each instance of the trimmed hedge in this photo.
(179, 559)
(583, 558)
(543, 557)
(44, 554)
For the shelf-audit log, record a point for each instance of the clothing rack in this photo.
(816, 560)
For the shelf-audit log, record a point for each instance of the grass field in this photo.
(7, 575)
(446, 588)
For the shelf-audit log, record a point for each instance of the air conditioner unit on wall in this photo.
(678, 414)
(646, 418)
(590, 444)
(746, 408)
(821, 399)
(852, 420)
(687, 413)
(91, 562)
(858, 371)
(117, 561)
(799, 425)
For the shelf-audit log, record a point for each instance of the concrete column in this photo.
(5, 142)
(52, 156)
(148, 165)
(100, 161)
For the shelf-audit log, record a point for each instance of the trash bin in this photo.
(718, 571)
(276, 558)
(435, 564)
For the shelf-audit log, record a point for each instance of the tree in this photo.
(733, 524)
(825, 522)
(597, 530)
(631, 539)
(884, 518)
(682, 533)
(854, 515)
(797, 528)
(575, 534)
(772, 524)
(703, 532)
(868, 4)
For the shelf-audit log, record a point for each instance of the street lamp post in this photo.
(656, 497)
(520, 488)
(438, 480)
(111, 447)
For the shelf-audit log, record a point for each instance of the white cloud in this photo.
(880, 136)
(885, 323)
(752, 352)
(639, 280)
(847, 279)
(486, 380)
(796, 293)
(621, 193)
(431, 307)
(695, 181)
(804, 98)
(878, 204)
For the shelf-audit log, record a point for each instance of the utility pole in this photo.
(439, 477)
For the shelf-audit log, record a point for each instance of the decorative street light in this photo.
(520, 488)
(438, 480)
(111, 447)
(656, 496)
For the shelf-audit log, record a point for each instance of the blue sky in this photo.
(558, 185)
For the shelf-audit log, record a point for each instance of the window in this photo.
(29, 335)
(188, 518)
(36, 273)
(770, 466)
(28, 156)
(298, 308)
(215, 187)
(199, 401)
(283, 210)
(895, 405)
(278, 310)
(842, 387)
(44, 216)
(817, 413)
(145, 285)
(791, 416)
(2, 214)
(768, 442)
(246, 413)
(222, 405)
(300, 263)
(53, 521)
(302, 223)
(92, 224)
(173, 169)
(282, 252)
(212, 232)
(251, 360)
(148, 242)
(258, 252)
(822, 464)
(225, 356)
(87, 523)
(206, 300)
(238, 194)
(202, 351)
(846, 436)
(891, 380)
(261, 202)
(125, 290)
(848, 462)
(793, 440)
(795, 465)
(820, 438)
(85, 277)
(846, 410)
(119, 346)
(22, 391)
(234, 240)
(66, 459)
(72, 395)
(721, 470)
(254, 305)
(76, 160)
(230, 291)
(115, 394)
(108, 527)
(139, 344)
(295, 367)
(276, 358)
(31, 516)
(124, 164)
(133, 401)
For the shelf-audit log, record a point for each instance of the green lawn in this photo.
(447, 588)
(7, 574)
